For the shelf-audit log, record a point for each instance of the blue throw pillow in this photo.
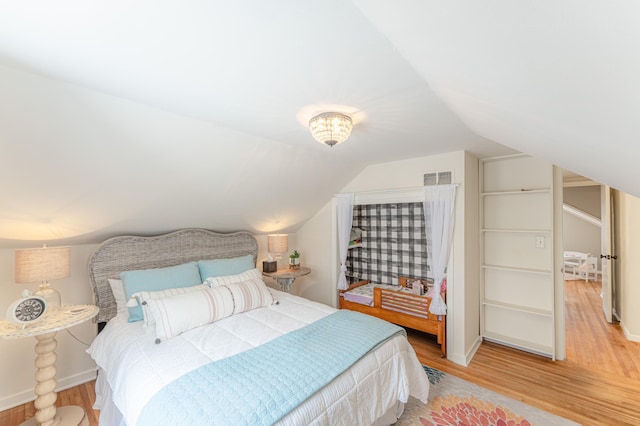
(223, 267)
(185, 275)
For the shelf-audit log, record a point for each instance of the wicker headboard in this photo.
(127, 253)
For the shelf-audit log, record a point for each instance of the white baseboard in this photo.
(628, 335)
(465, 359)
(472, 351)
(458, 359)
(62, 384)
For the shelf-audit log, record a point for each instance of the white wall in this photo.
(316, 248)
(585, 198)
(471, 279)
(74, 366)
(318, 239)
(627, 268)
(577, 234)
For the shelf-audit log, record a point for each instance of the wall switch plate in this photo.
(539, 242)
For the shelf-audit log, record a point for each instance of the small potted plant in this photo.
(294, 260)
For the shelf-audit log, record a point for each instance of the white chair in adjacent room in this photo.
(588, 269)
(573, 260)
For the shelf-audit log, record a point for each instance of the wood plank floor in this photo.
(591, 341)
(83, 395)
(597, 385)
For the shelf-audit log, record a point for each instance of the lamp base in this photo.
(50, 295)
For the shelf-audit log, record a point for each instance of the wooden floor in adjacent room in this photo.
(606, 348)
(599, 383)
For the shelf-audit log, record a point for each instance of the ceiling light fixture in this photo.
(331, 128)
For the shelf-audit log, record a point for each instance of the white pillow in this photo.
(117, 288)
(143, 298)
(232, 279)
(178, 313)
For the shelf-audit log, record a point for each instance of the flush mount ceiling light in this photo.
(331, 128)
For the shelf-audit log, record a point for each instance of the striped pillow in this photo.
(145, 296)
(250, 294)
(175, 314)
(232, 279)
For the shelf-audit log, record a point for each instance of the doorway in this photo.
(591, 340)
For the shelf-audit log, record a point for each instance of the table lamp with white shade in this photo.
(41, 265)
(278, 244)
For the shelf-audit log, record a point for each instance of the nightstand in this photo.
(55, 319)
(286, 277)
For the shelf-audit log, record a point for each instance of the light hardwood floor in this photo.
(597, 385)
(606, 348)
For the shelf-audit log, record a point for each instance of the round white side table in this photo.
(44, 330)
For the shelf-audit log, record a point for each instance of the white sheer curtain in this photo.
(439, 216)
(345, 219)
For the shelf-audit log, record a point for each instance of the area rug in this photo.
(454, 401)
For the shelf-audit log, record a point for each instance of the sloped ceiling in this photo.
(554, 79)
(142, 117)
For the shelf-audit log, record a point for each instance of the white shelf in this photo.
(524, 231)
(521, 192)
(519, 344)
(516, 269)
(519, 308)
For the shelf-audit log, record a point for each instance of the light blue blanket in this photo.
(261, 385)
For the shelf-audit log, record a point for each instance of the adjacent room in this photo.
(433, 204)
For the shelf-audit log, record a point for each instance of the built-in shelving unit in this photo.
(516, 234)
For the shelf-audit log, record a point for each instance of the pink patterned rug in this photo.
(453, 401)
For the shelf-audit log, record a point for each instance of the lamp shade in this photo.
(278, 243)
(42, 264)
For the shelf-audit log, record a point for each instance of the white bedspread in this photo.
(136, 367)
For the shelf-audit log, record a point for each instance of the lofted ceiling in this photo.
(142, 117)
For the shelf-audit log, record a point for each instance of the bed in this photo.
(396, 304)
(140, 362)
